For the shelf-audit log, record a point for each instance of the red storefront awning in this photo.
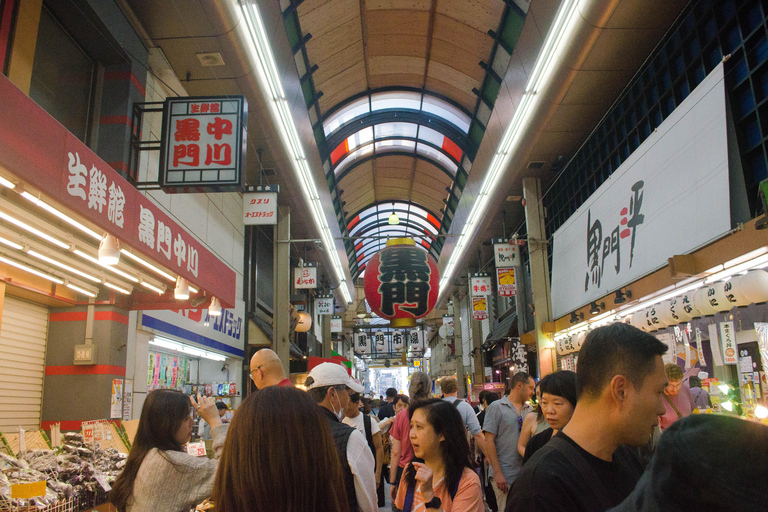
(41, 152)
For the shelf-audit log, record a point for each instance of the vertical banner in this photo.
(480, 285)
(505, 282)
(728, 343)
(116, 409)
(479, 308)
(397, 341)
(362, 343)
(380, 341)
(336, 323)
(128, 401)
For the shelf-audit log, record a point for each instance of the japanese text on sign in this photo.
(599, 249)
(336, 325)
(103, 199)
(324, 306)
(480, 285)
(404, 281)
(728, 343)
(305, 277)
(479, 308)
(260, 208)
(506, 254)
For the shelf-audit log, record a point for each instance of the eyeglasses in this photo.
(251, 372)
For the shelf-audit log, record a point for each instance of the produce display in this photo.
(74, 473)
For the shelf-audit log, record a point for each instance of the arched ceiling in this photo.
(399, 93)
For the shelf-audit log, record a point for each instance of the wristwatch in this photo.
(434, 503)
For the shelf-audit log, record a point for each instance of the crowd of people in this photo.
(580, 451)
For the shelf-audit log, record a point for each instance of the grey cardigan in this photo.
(175, 481)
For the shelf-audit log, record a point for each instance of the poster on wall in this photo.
(614, 237)
(479, 308)
(116, 409)
(128, 401)
(505, 282)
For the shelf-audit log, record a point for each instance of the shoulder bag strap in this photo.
(673, 406)
(578, 462)
(408, 502)
(456, 487)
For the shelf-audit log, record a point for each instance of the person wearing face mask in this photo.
(558, 400)
(330, 386)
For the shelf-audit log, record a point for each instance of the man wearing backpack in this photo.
(368, 427)
(450, 388)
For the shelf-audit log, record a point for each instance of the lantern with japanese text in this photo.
(401, 283)
(702, 300)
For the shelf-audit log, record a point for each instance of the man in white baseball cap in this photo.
(330, 384)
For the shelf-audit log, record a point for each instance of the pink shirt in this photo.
(469, 496)
(401, 430)
(684, 403)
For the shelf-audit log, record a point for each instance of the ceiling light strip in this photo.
(34, 231)
(118, 288)
(31, 270)
(66, 218)
(147, 264)
(111, 268)
(559, 37)
(81, 290)
(64, 266)
(153, 288)
(270, 79)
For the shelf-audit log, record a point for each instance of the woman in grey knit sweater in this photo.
(159, 474)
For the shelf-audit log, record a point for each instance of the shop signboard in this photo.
(203, 143)
(260, 207)
(518, 356)
(479, 308)
(614, 238)
(222, 333)
(506, 253)
(495, 387)
(480, 285)
(336, 325)
(505, 282)
(35, 147)
(323, 306)
(305, 277)
(728, 343)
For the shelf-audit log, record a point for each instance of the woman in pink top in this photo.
(420, 388)
(440, 476)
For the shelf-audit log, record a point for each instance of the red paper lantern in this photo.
(401, 282)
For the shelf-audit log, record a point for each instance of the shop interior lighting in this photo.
(761, 412)
(558, 39)
(727, 405)
(66, 218)
(724, 389)
(186, 349)
(109, 252)
(111, 268)
(147, 264)
(153, 288)
(64, 266)
(31, 270)
(6, 183)
(34, 231)
(11, 244)
(269, 78)
(81, 290)
(214, 309)
(117, 288)
(182, 289)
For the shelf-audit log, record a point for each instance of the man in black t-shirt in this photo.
(587, 467)
(387, 410)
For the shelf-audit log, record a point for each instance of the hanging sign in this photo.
(614, 237)
(203, 143)
(480, 285)
(505, 282)
(397, 341)
(324, 306)
(479, 308)
(336, 323)
(380, 341)
(260, 207)
(416, 340)
(305, 277)
(362, 343)
(506, 253)
(728, 343)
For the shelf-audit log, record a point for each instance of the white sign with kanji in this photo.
(480, 286)
(381, 341)
(416, 340)
(507, 254)
(397, 341)
(324, 306)
(362, 343)
(336, 324)
(259, 208)
(305, 277)
(728, 343)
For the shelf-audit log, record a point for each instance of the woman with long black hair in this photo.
(440, 476)
(159, 474)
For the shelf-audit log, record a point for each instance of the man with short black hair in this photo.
(387, 410)
(587, 467)
(330, 385)
(502, 425)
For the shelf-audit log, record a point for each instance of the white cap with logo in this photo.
(332, 374)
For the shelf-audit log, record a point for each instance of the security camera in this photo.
(225, 367)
